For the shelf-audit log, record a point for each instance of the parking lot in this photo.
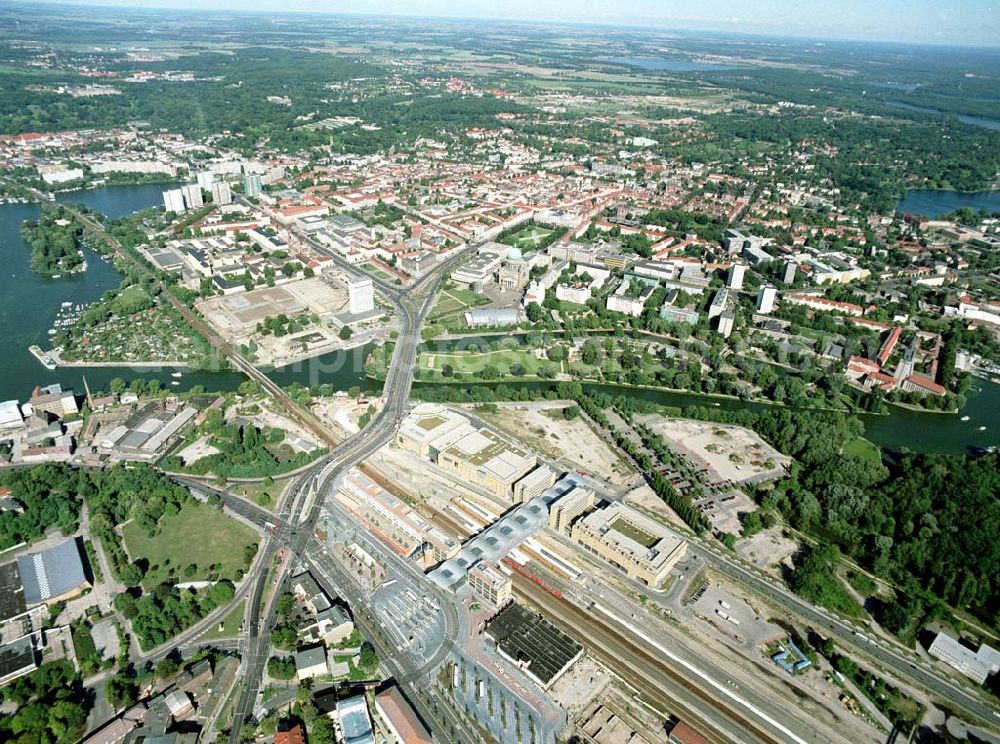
(723, 509)
(105, 635)
(733, 616)
(494, 706)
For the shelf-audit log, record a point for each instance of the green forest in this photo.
(56, 241)
(50, 708)
(244, 451)
(51, 497)
(48, 497)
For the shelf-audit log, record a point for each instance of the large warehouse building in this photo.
(54, 574)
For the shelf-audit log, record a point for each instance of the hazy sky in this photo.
(946, 21)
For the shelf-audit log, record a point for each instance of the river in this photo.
(903, 428)
(29, 304)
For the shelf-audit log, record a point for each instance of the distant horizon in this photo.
(975, 29)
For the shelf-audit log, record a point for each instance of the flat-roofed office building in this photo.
(490, 584)
(474, 453)
(628, 539)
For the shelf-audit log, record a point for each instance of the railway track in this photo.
(638, 666)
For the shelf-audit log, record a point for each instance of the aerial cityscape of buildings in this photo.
(374, 382)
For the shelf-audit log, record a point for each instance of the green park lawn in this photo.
(861, 447)
(452, 302)
(230, 624)
(466, 362)
(198, 534)
(528, 238)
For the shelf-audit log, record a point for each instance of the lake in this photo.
(671, 65)
(933, 203)
(975, 121)
(29, 304)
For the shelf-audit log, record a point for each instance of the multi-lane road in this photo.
(412, 306)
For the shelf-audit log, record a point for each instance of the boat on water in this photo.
(982, 428)
(47, 361)
(174, 382)
(964, 418)
(176, 374)
(56, 276)
(67, 304)
(52, 331)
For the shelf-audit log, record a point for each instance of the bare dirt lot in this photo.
(236, 316)
(197, 450)
(768, 549)
(732, 615)
(542, 427)
(579, 686)
(728, 453)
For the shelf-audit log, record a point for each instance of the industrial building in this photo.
(672, 314)
(534, 484)
(534, 644)
(192, 196)
(504, 535)
(477, 455)
(631, 541)
(566, 510)
(252, 185)
(361, 295)
(621, 301)
(311, 662)
(736, 274)
(393, 521)
(355, 723)
(173, 200)
(478, 270)
(17, 658)
(766, 299)
(725, 323)
(53, 399)
(719, 303)
(482, 317)
(221, 193)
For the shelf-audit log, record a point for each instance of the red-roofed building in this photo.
(858, 367)
(399, 718)
(684, 734)
(294, 735)
(917, 383)
(889, 346)
(879, 379)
